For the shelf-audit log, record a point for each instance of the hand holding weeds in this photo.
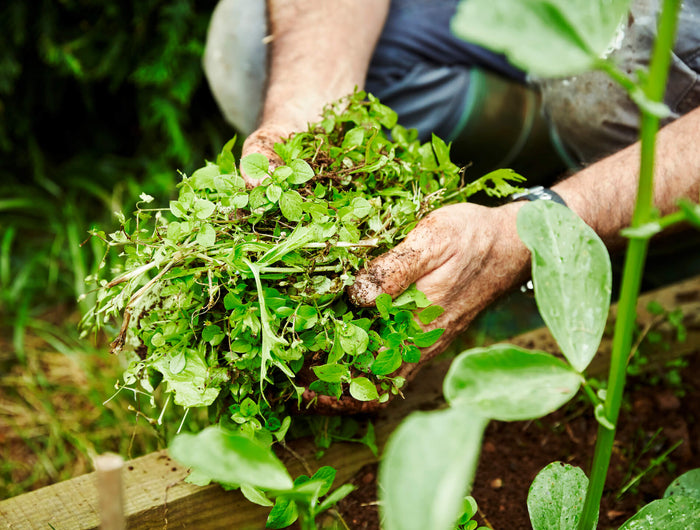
(462, 257)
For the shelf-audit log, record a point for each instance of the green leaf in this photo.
(361, 207)
(428, 338)
(178, 363)
(332, 373)
(255, 495)
(412, 294)
(362, 389)
(353, 138)
(420, 486)
(290, 203)
(206, 236)
(230, 458)
(189, 386)
(178, 209)
(203, 208)
(430, 313)
(572, 276)
(411, 354)
(282, 515)
(387, 361)
(547, 38)
(273, 193)
(556, 497)
(687, 485)
(670, 513)
(255, 166)
(383, 303)
(338, 494)
(507, 383)
(326, 474)
(353, 339)
(210, 332)
(302, 172)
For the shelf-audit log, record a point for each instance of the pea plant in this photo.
(430, 460)
(232, 299)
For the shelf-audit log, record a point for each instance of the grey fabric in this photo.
(592, 116)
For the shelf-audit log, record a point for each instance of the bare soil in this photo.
(659, 412)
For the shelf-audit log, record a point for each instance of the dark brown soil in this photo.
(659, 412)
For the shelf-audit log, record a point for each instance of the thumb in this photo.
(423, 250)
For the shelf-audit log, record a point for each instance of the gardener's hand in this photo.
(462, 257)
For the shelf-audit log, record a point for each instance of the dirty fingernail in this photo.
(364, 291)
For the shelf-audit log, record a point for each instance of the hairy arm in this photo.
(604, 194)
(320, 51)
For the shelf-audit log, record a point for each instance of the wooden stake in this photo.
(110, 491)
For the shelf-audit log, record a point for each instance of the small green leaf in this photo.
(383, 303)
(203, 208)
(178, 363)
(302, 172)
(430, 313)
(332, 373)
(282, 515)
(290, 204)
(206, 236)
(178, 209)
(361, 207)
(353, 339)
(387, 361)
(411, 354)
(255, 495)
(362, 389)
(327, 475)
(255, 166)
(556, 497)
(157, 340)
(428, 338)
(210, 332)
(273, 193)
(353, 138)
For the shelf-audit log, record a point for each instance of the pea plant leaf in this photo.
(230, 458)
(572, 275)
(687, 485)
(547, 38)
(508, 383)
(420, 487)
(669, 513)
(556, 497)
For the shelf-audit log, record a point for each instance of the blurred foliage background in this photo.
(99, 101)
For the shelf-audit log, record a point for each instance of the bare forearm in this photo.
(320, 51)
(604, 194)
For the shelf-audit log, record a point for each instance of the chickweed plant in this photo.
(233, 299)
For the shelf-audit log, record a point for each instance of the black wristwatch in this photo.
(538, 193)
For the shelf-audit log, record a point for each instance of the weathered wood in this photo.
(156, 496)
(110, 491)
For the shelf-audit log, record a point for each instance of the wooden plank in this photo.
(156, 496)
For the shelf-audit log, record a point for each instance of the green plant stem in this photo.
(634, 265)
